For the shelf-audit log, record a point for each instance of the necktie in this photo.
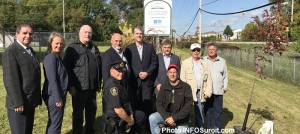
(30, 52)
(28, 49)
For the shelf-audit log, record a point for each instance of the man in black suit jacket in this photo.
(22, 81)
(164, 60)
(113, 54)
(143, 65)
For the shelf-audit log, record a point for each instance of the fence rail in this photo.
(285, 68)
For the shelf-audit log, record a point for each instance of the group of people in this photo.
(130, 78)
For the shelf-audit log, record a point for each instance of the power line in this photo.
(210, 3)
(191, 23)
(239, 11)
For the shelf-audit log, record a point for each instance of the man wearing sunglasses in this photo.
(195, 71)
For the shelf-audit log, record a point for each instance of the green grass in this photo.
(280, 99)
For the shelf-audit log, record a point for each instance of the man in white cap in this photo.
(195, 71)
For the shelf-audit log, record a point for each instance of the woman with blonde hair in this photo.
(56, 83)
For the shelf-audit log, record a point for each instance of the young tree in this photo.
(272, 30)
(228, 32)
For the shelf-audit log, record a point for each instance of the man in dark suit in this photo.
(113, 54)
(143, 65)
(22, 81)
(164, 60)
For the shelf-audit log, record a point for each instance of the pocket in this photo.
(80, 61)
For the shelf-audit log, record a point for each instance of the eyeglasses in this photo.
(198, 50)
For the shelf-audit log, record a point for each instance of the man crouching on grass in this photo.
(174, 102)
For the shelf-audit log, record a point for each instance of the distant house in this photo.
(8, 40)
(236, 34)
(208, 34)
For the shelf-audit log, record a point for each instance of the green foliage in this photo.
(295, 24)
(133, 9)
(7, 14)
(209, 39)
(228, 32)
(184, 44)
(103, 16)
(296, 46)
(127, 36)
(249, 28)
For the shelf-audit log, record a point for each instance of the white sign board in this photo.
(157, 17)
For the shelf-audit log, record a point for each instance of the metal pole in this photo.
(248, 109)
(295, 69)
(292, 12)
(272, 65)
(3, 35)
(200, 19)
(173, 31)
(64, 29)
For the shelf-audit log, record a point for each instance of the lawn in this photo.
(271, 99)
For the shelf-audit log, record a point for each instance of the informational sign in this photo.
(157, 17)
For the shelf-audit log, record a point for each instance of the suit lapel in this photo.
(115, 53)
(27, 56)
(144, 51)
(135, 49)
(161, 57)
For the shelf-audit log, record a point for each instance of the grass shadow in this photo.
(98, 126)
(227, 116)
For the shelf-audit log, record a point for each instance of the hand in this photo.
(158, 87)
(170, 121)
(72, 91)
(131, 120)
(19, 109)
(225, 91)
(59, 104)
(143, 75)
(205, 97)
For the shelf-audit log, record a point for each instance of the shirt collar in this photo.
(117, 50)
(166, 55)
(217, 58)
(178, 86)
(22, 44)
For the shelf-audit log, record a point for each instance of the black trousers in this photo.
(21, 123)
(114, 126)
(84, 101)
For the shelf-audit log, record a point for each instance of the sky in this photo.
(183, 12)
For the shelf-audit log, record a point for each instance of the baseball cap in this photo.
(118, 65)
(172, 66)
(195, 45)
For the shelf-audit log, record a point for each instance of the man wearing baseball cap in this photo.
(174, 103)
(195, 72)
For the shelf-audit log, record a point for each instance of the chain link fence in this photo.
(285, 68)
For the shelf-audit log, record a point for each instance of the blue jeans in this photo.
(213, 110)
(155, 118)
(199, 114)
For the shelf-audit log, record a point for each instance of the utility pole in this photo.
(64, 27)
(173, 31)
(200, 19)
(292, 13)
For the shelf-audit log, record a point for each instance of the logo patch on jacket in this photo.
(114, 91)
